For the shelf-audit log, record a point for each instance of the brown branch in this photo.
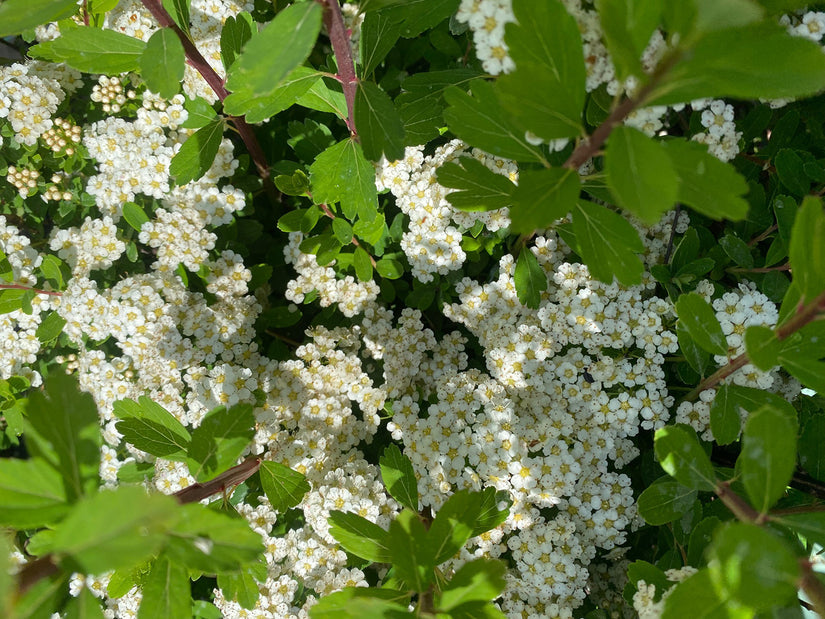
(229, 478)
(196, 60)
(781, 267)
(804, 315)
(53, 293)
(761, 237)
(342, 48)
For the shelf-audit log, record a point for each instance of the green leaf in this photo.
(453, 524)
(389, 268)
(481, 580)
(92, 50)
(481, 189)
(31, 494)
(790, 170)
(640, 173)
(220, 439)
(811, 525)
(179, 11)
(322, 98)
(807, 342)
(359, 536)
(294, 86)
(379, 126)
(678, 451)
(166, 591)
(627, 26)
(236, 32)
(17, 16)
(201, 113)
(807, 248)
(481, 121)
(530, 279)
(363, 266)
(67, 419)
(759, 60)
(151, 428)
(737, 250)
(283, 487)
(700, 539)
(718, 14)
(197, 154)
(114, 529)
(725, 421)
(399, 477)
(542, 197)
(50, 327)
(697, 592)
(750, 565)
(379, 34)
(6, 270)
(363, 602)
(342, 230)
(768, 456)
(608, 244)
(762, 347)
(275, 51)
(162, 63)
(209, 541)
(410, 550)
(812, 447)
(371, 230)
(242, 586)
(699, 319)
(489, 513)
(417, 16)
(342, 174)
(665, 502)
(134, 215)
(300, 220)
(11, 300)
(546, 46)
(809, 372)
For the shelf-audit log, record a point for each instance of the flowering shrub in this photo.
(466, 308)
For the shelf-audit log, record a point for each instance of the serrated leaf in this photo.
(379, 127)
(198, 153)
(32, 494)
(410, 548)
(359, 536)
(17, 16)
(151, 428)
(542, 197)
(417, 16)
(115, 529)
(236, 32)
(665, 502)
(546, 46)
(399, 477)
(480, 580)
(758, 60)
(627, 26)
(201, 113)
(284, 487)
(275, 51)
(809, 372)
(640, 173)
(698, 317)
(134, 215)
(529, 278)
(342, 174)
(609, 245)
(480, 189)
(454, 524)
(50, 327)
(362, 602)
(166, 591)
(807, 248)
(378, 36)
(294, 86)
(92, 50)
(768, 456)
(682, 457)
(370, 230)
(162, 63)
(481, 121)
(179, 12)
(220, 439)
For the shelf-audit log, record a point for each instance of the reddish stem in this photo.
(53, 293)
(340, 39)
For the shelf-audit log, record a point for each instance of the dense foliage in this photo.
(455, 308)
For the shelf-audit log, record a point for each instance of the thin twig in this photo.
(53, 293)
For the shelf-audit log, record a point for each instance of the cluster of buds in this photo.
(110, 92)
(24, 180)
(62, 136)
(54, 193)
